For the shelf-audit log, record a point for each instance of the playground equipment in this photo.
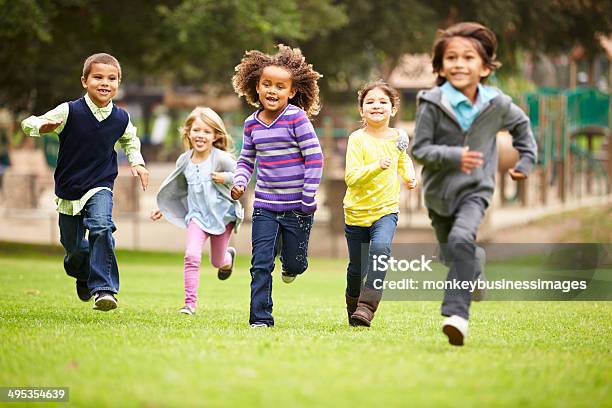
(573, 136)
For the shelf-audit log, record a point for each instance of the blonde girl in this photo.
(196, 196)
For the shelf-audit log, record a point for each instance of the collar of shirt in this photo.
(456, 97)
(99, 113)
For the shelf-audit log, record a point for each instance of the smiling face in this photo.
(376, 108)
(275, 89)
(201, 137)
(463, 66)
(101, 83)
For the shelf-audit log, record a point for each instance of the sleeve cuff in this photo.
(309, 209)
(454, 155)
(239, 182)
(524, 166)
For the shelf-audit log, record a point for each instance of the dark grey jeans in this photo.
(457, 238)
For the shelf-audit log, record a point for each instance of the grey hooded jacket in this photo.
(439, 141)
(172, 195)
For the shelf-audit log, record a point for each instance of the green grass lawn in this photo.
(144, 354)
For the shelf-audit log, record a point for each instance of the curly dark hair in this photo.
(303, 77)
(481, 37)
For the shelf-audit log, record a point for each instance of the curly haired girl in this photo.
(281, 139)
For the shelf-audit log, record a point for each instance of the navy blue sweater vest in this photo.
(87, 157)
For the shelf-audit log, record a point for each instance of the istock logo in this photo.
(384, 263)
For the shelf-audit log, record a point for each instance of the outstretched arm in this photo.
(52, 122)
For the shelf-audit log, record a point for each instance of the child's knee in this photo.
(296, 266)
(380, 248)
(460, 236)
(193, 258)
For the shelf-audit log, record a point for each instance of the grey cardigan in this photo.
(172, 195)
(439, 140)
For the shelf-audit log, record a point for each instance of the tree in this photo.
(376, 35)
(202, 40)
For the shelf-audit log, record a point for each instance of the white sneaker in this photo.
(105, 301)
(287, 278)
(188, 310)
(479, 294)
(456, 329)
(257, 325)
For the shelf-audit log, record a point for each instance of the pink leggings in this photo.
(196, 238)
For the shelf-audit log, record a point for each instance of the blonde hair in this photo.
(100, 58)
(211, 118)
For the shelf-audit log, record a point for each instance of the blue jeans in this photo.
(92, 260)
(363, 243)
(287, 232)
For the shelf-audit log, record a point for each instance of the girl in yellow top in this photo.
(375, 155)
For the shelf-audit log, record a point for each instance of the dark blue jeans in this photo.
(287, 232)
(457, 237)
(91, 260)
(363, 244)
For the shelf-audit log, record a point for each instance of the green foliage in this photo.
(371, 42)
(192, 42)
(202, 40)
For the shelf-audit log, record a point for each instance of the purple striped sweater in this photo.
(289, 161)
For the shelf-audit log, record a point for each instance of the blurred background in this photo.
(178, 54)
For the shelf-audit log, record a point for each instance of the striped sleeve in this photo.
(310, 147)
(246, 162)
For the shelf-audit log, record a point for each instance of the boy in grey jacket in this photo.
(455, 141)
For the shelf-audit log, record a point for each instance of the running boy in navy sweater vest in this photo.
(88, 129)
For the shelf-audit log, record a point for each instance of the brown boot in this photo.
(366, 307)
(351, 306)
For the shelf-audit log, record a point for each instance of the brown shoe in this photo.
(351, 306)
(366, 307)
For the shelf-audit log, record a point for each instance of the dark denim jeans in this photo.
(92, 260)
(287, 232)
(363, 243)
(457, 238)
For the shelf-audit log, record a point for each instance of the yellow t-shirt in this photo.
(371, 191)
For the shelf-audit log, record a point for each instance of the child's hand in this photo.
(411, 185)
(517, 175)
(217, 177)
(156, 214)
(50, 126)
(143, 173)
(385, 163)
(470, 160)
(237, 192)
